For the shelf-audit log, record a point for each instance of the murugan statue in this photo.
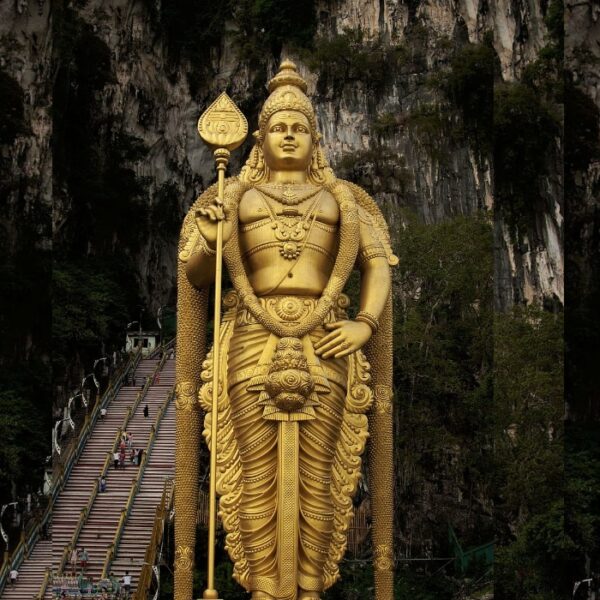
(301, 386)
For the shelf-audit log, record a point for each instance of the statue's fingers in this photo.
(212, 213)
(343, 353)
(325, 340)
(335, 350)
(331, 343)
(334, 325)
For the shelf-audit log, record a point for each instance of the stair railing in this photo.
(85, 512)
(47, 577)
(158, 529)
(126, 511)
(163, 347)
(76, 447)
(64, 468)
(29, 538)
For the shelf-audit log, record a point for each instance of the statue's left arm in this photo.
(348, 336)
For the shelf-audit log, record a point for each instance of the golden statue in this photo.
(300, 386)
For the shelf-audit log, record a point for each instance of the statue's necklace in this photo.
(346, 257)
(291, 227)
(288, 193)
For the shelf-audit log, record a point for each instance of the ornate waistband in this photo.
(286, 309)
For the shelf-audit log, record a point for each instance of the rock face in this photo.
(147, 97)
(25, 178)
(128, 92)
(582, 182)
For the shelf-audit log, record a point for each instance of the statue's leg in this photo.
(318, 439)
(262, 596)
(257, 442)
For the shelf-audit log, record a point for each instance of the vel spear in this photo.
(223, 127)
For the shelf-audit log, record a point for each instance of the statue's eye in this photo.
(277, 128)
(301, 129)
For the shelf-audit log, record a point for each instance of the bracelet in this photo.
(365, 317)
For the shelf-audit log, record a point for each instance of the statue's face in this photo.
(288, 143)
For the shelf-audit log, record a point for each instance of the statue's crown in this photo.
(288, 75)
(288, 92)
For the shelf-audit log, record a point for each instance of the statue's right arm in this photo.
(200, 269)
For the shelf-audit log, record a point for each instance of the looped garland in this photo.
(346, 257)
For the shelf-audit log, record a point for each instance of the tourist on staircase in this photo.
(74, 560)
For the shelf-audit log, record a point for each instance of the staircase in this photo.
(78, 488)
(31, 573)
(130, 556)
(98, 531)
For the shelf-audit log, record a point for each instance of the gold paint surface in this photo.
(301, 388)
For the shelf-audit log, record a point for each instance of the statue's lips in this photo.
(289, 148)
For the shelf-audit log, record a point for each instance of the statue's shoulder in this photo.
(370, 214)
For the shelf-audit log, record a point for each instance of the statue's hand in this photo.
(207, 220)
(345, 337)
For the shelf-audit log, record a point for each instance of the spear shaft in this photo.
(224, 128)
(222, 158)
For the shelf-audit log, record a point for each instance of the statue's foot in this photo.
(305, 595)
(262, 596)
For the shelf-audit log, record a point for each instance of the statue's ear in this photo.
(257, 136)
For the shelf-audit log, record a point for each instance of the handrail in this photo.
(162, 512)
(25, 545)
(73, 452)
(125, 512)
(84, 514)
(86, 510)
(76, 447)
(47, 576)
(162, 347)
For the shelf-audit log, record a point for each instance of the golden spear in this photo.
(223, 127)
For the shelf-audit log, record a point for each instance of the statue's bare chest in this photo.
(256, 206)
(273, 231)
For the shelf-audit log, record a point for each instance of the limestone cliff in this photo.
(128, 80)
(148, 97)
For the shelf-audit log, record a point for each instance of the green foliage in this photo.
(350, 57)
(435, 125)
(25, 421)
(469, 86)
(378, 170)
(385, 124)
(582, 128)
(92, 302)
(524, 132)
(528, 468)
(555, 21)
(443, 348)
(443, 365)
(11, 109)
(582, 497)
